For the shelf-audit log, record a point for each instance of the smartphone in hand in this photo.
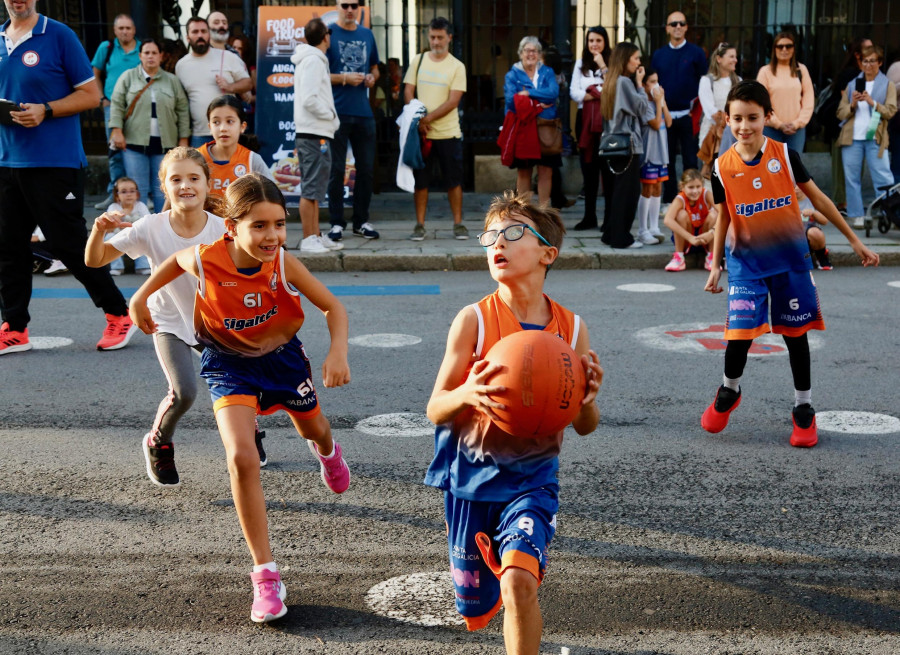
(7, 106)
(860, 85)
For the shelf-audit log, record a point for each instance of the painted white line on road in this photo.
(48, 343)
(385, 340)
(695, 338)
(645, 288)
(419, 598)
(857, 422)
(403, 424)
(895, 283)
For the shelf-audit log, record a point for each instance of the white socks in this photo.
(268, 566)
(643, 214)
(653, 214)
(734, 385)
(802, 397)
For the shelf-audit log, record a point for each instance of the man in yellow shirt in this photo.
(438, 80)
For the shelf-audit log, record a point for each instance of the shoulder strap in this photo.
(418, 68)
(136, 98)
(109, 50)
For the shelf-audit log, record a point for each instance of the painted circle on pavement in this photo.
(646, 287)
(385, 340)
(857, 422)
(48, 343)
(895, 283)
(403, 424)
(694, 338)
(418, 598)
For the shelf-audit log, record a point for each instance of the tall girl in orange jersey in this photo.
(247, 313)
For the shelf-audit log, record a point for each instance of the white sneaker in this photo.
(859, 222)
(658, 235)
(56, 268)
(637, 244)
(646, 238)
(313, 244)
(331, 245)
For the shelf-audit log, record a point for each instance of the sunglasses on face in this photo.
(785, 46)
(510, 233)
(347, 5)
(678, 23)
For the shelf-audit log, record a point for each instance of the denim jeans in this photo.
(359, 131)
(197, 141)
(879, 169)
(116, 160)
(795, 141)
(144, 170)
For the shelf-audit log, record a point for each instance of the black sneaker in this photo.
(160, 463)
(260, 435)
(823, 261)
(726, 398)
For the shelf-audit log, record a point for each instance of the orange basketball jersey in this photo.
(492, 465)
(766, 236)
(248, 315)
(698, 211)
(224, 173)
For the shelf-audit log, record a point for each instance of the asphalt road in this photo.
(670, 540)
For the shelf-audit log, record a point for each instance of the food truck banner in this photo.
(280, 30)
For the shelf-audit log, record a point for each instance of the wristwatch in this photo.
(48, 110)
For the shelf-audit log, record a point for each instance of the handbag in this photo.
(615, 144)
(550, 135)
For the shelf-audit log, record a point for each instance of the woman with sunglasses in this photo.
(867, 104)
(791, 89)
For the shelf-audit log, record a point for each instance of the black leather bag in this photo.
(615, 145)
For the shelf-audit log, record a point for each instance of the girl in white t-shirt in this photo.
(187, 222)
(128, 203)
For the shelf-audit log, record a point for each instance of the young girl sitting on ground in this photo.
(692, 219)
(127, 202)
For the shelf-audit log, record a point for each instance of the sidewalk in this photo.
(393, 216)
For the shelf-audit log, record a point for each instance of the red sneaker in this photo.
(805, 434)
(12, 341)
(118, 332)
(716, 416)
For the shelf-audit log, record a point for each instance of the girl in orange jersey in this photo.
(227, 157)
(692, 219)
(247, 313)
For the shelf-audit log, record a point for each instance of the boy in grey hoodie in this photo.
(315, 122)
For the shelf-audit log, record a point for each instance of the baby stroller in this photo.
(884, 210)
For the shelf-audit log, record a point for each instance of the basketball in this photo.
(544, 381)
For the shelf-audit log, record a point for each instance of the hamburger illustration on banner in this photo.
(280, 32)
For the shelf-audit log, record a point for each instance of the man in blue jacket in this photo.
(680, 65)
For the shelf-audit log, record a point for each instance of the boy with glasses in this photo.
(501, 491)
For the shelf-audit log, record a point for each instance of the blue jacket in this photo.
(547, 90)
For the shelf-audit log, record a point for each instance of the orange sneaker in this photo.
(805, 434)
(716, 416)
(118, 332)
(12, 341)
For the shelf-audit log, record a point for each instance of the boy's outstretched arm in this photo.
(169, 270)
(449, 397)
(823, 203)
(335, 367)
(723, 221)
(589, 416)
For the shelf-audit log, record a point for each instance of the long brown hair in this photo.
(720, 51)
(773, 64)
(618, 60)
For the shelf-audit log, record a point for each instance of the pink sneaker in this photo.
(335, 472)
(12, 341)
(268, 597)
(118, 332)
(676, 263)
(708, 263)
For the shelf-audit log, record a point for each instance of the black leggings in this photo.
(798, 351)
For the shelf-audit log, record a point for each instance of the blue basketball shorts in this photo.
(485, 539)
(653, 173)
(281, 379)
(794, 306)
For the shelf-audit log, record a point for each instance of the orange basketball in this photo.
(544, 381)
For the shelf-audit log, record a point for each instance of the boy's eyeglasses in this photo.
(510, 233)
(349, 5)
(678, 23)
(785, 46)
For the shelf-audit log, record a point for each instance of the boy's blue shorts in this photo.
(795, 306)
(487, 538)
(281, 379)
